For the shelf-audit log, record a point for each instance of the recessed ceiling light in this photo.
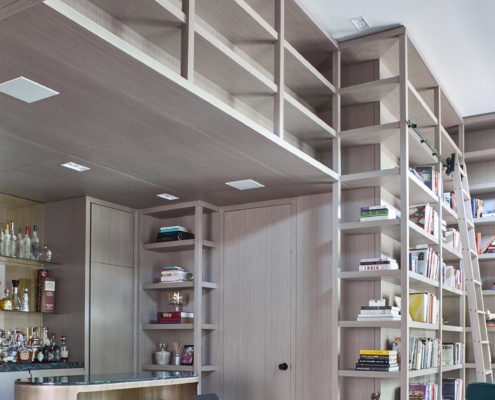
(167, 196)
(75, 167)
(360, 23)
(245, 184)
(26, 90)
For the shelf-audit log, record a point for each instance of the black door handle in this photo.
(283, 367)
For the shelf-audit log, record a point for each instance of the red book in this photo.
(48, 295)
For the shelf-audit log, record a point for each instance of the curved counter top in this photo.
(139, 385)
(14, 367)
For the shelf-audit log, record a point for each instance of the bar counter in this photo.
(139, 385)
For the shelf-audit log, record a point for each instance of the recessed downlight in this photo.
(360, 23)
(245, 184)
(75, 167)
(167, 196)
(26, 90)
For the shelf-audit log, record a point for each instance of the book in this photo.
(373, 357)
(375, 352)
(378, 317)
(368, 361)
(373, 267)
(172, 236)
(371, 213)
(418, 306)
(484, 249)
(174, 228)
(394, 308)
(421, 257)
(377, 368)
(174, 317)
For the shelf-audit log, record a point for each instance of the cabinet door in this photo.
(257, 310)
(111, 318)
(112, 236)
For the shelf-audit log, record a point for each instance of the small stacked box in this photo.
(370, 264)
(171, 233)
(173, 273)
(377, 360)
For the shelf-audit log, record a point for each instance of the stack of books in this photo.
(171, 233)
(379, 313)
(452, 353)
(424, 307)
(370, 264)
(429, 176)
(424, 353)
(488, 247)
(423, 391)
(173, 273)
(425, 217)
(374, 213)
(377, 360)
(424, 261)
(477, 207)
(175, 317)
(452, 277)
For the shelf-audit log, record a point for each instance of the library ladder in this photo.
(471, 273)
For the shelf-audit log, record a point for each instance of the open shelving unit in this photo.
(386, 84)
(196, 256)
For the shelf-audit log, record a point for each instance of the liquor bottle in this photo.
(47, 354)
(1, 239)
(64, 350)
(55, 349)
(23, 351)
(35, 346)
(35, 244)
(25, 301)
(6, 242)
(20, 244)
(27, 245)
(16, 301)
(13, 240)
(6, 302)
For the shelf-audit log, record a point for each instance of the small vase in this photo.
(45, 254)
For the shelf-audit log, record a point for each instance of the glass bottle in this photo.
(35, 244)
(1, 239)
(47, 354)
(55, 349)
(27, 244)
(23, 352)
(16, 301)
(25, 301)
(6, 242)
(13, 240)
(35, 346)
(45, 254)
(6, 302)
(64, 350)
(20, 244)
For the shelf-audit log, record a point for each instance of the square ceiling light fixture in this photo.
(360, 23)
(245, 184)
(167, 196)
(26, 90)
(75, 167)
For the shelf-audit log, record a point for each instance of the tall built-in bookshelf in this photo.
(386, 87)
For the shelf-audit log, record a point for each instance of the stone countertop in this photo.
(12, 367)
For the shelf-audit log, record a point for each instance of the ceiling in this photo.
(142, 134)
(457, 37)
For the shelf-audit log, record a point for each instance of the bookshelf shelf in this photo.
(369, 374)
(370, 324)
(179, 245)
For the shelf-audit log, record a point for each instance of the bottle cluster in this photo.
(19, 245)
(16, 347)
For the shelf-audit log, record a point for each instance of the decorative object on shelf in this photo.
(187, 355)
(177, 347)
(6, 302)
(162, 357)
(176, 299)
(16, 301)
(25, 300)
(375, 396)
(45, 254)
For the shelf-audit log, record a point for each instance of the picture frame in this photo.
(187, 357)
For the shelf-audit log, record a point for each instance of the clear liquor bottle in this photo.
(16, 301)
(6, 302)
(20, 244)
(6, 242)
(64, 350)
(55, 349)
(35, 244)
(27, 244)
(13, 240)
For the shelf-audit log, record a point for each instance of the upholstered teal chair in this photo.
(209, 396)
(480, 391)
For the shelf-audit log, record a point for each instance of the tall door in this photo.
(257, 308)
(111, 290)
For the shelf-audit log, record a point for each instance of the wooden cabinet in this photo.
(96, 281)
(386, 88)
(197, 256)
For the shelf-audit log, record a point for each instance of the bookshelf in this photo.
(479, 157)
(385, 83)
(196, 256)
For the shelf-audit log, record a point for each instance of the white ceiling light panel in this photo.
(26, 90)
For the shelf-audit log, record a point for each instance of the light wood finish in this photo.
(180, 389)
(221, 116)
(257, 280)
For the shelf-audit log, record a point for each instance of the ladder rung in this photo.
(485, 342)
(476, 282)
(461, 170)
